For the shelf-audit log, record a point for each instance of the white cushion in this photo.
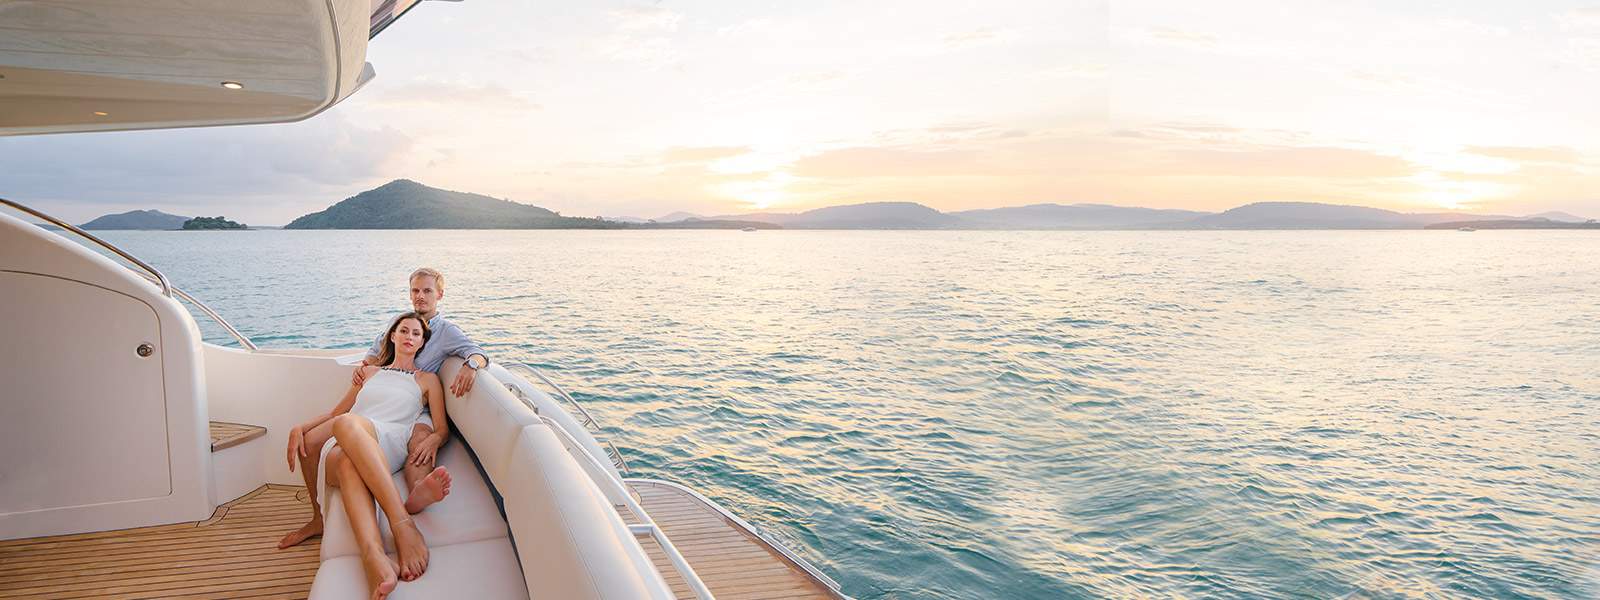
(572, 542)
(468, 514)
(482, 570)
(489, 417)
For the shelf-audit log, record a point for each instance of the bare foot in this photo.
(430, 489)
(413, 551)
(380, 574)
(305, 532)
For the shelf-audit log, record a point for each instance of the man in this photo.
(427, 289)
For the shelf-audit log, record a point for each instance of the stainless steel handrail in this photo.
(152, 274)
(752, 529)
(243, 341)
(166, 287)
(589, 422)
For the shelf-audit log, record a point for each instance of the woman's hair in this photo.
(388, 355)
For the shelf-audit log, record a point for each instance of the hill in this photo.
(1311, 215)
(1556, 215)
(406, 204)
(203, 223)
(871, 215)
(1074, 216)
(1537, 223)
(137, 219)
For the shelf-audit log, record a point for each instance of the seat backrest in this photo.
(572, 542)
(489, 417)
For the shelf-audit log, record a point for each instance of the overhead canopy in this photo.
(103, 65)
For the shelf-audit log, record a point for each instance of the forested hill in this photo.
(406, 204)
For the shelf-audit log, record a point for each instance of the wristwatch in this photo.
(477, 361)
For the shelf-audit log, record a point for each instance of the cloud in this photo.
(686, 154)
(1556, 154)
(641, 35)
(979, 37)
(1320, 162)
(645, 19)
(456, 96)
(1580, 19)
(886, 162)
(310, 163)
(1171, 36)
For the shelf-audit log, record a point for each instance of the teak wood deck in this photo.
(227, 435)
(734, 565)
(234, 554)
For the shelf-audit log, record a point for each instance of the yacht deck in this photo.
(734, 564)
(234, 554)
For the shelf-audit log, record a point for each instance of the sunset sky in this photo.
(642, 109)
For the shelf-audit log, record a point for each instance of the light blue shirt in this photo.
(446, 340)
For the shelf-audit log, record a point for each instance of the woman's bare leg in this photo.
(358, 438)
(358, 504)
(314, 441)
(428, 484)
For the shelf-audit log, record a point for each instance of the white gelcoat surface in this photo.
(110, 440)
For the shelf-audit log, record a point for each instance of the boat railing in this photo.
(646, 527)
(587, 420)
(240, 337)
(150, 273)
(160, 279)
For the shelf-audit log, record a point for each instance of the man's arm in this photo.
(456, 343)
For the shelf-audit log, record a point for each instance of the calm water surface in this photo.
(1040, 414)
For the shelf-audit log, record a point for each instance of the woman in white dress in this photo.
(370, 426)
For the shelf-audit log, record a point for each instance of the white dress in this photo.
(392, 400)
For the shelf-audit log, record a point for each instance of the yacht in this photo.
(143, 462)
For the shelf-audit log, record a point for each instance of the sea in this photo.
(943, 414)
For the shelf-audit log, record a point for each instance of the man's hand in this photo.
(364, 371)
(464, 380)
(297, 445)
(425, 451)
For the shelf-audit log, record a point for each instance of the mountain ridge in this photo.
(407, 204)
(137, 219)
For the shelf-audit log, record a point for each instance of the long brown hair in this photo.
(387, 357)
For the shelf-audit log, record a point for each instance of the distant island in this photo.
(1536, 223)
(137, 219)
(199, 223)
(407, 204)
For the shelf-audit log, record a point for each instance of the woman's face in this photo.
(407, 336)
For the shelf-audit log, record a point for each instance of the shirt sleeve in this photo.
(456, 343)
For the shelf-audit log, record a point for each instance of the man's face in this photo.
(425, 294)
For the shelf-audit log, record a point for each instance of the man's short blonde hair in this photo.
(438, 278)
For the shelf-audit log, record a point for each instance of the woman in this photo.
(370, 427)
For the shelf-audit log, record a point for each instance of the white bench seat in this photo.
(481, 570)
(469, 553)
(468, 514)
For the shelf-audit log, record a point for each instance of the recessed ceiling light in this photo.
(233, 85)
(100, 114)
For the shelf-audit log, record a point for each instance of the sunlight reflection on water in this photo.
(1039, 414)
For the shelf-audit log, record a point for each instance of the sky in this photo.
(642, 109)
